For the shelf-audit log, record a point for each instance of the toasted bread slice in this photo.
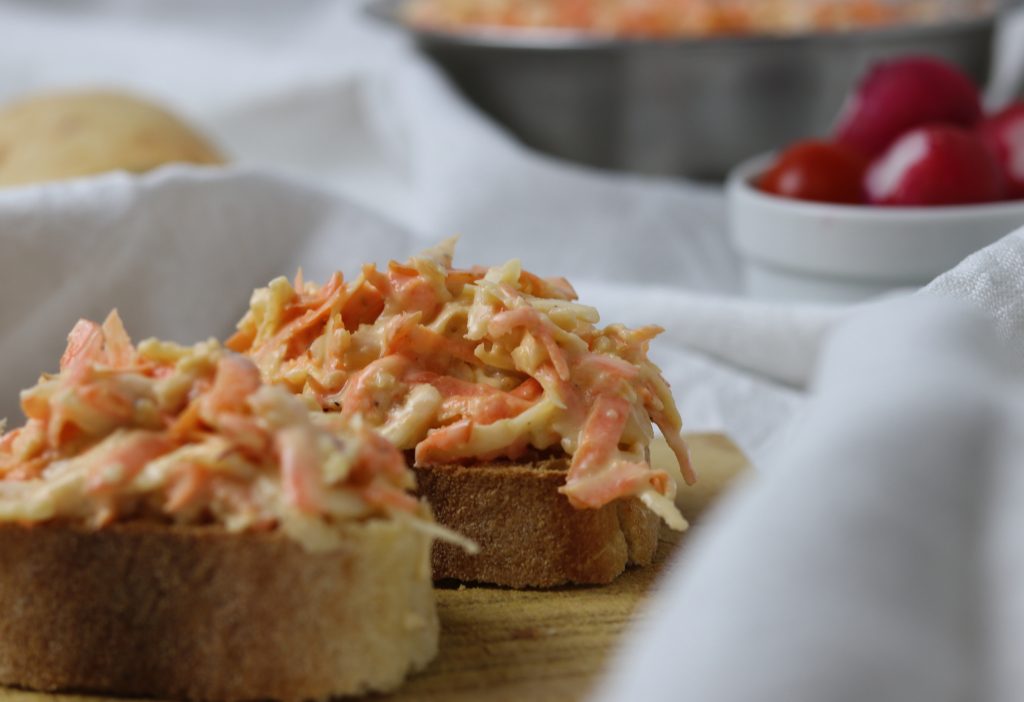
(144, 609)
(529, 535)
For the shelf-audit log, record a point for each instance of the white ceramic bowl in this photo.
(798, 250)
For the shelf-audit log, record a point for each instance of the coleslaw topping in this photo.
(474, 365)
(191, 435)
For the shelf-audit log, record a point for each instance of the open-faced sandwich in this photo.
(172, 527)
(529, 424)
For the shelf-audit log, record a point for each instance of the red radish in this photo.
(1004, 134)
(817, 170)
(935, 165)
(898, 95)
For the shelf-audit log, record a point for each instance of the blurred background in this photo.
(618, 128)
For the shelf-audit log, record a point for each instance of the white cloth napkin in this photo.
(879, 557)
(992, 281)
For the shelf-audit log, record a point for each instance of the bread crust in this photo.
(529, 534)
(144, 609)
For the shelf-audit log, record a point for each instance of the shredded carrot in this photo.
(552, 288)
(530, 319)
(241, 340)
(358, 394)
(530, 389)
(600, 435)
(7, 440)
(440, 441)
(126, 460)
(457, 280)
(302, 482)
(236, 379)
(679, 448)
(85, 344)
(315, 313)
(185, 423)
(363, 306)
(118, 347)
(187, 487)
(27, 469)
(411, 291)
(416, 341)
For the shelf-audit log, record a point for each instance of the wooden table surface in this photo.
(537, 646)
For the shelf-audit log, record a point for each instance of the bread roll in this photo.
(65, 135)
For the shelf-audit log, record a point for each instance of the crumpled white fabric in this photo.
(992, 281)
(879, 555)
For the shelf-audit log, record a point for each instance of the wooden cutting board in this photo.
(538, 646)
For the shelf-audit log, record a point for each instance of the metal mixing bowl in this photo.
(693, 107)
